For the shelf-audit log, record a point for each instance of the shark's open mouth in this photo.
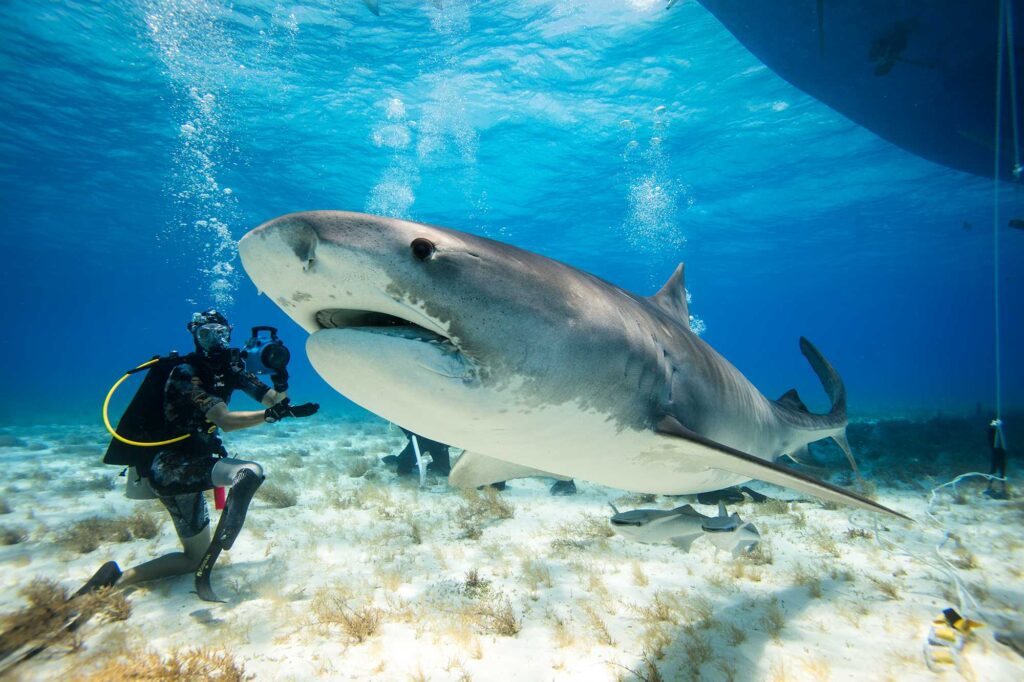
(377, 323)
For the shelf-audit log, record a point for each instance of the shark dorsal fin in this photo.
(672, 297)
(792, 400)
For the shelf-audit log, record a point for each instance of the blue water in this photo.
(138, 141)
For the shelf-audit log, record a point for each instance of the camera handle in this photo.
(259, 328)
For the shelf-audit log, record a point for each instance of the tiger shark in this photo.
(528, 364)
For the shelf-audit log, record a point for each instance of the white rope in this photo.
(963, 594)
(966, 603)
(995, 203)
(1011, 55)
(420, 464)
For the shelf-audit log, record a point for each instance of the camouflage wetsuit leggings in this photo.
(179, 478)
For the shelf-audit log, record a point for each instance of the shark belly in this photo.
(507, 421)
(575, 444)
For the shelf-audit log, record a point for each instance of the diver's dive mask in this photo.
(212, 337)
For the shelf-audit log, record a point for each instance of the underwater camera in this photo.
(265, 353)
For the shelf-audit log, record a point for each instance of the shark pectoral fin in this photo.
(718, 456)
(801, 455)
(473, 470)
(724, 541)
(683, 542)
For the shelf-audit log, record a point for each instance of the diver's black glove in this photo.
(285, 409)
(280, 379)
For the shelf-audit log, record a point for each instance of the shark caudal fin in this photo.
(836, 390)
(828, 376)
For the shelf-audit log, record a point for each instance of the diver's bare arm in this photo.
(272, 397)
(233, 421)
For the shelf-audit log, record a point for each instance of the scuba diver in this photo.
(187, 397)
(997, 446)
(405, 461)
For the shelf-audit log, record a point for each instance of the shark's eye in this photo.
(422, 248)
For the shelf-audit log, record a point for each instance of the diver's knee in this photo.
(225, 472)
(255, 468)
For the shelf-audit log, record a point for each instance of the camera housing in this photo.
(264, 352)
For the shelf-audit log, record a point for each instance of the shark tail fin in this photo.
(844, 445)
(829, 377)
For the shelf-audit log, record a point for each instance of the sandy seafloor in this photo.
(461, 593)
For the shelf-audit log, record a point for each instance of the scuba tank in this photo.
(142, 426)
(137, 487)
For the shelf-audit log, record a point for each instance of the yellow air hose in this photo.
(115, 434)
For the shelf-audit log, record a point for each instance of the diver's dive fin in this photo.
(230, 525)
(473, 470)
(203, 588)
(718, 456)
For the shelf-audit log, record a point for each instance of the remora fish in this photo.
(528, 363)
(682, 525)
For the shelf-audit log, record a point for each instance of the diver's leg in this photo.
(993, 467)
(1001, 468)
(997, 468)
(175, 563)
(441, 463)
(406, 461)
(561, 487)
(191, 519)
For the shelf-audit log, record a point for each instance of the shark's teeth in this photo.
(378, 323)
(410, 332)
(340, 318)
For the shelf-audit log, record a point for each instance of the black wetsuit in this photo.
(179, 473)
(440, 458)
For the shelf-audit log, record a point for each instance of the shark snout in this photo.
(301, 238)
(290, 235)
(297, 235)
